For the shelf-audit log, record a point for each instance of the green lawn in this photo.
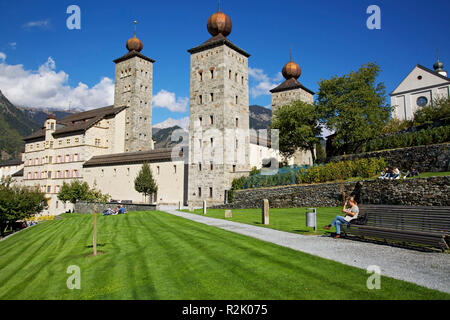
(432, 174)
(154, 255)
(290, 220)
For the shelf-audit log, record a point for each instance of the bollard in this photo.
(204, 207)
(179, 205)
(265, 212)
(228, 214)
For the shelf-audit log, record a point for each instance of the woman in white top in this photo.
(350, 214)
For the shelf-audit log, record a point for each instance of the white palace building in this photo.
(106, 147)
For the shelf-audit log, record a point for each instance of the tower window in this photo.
(242, 80)
(212, 74)
(229, 74)
(212, 119)
(200, 76)
(212, 142)
(212, 97)
(210, 192)
(211, 166)
(158, 170)
(200, 99)
(236, 77)
(199, 167)
(234, 168)
(237, 143)
(175, 169)
(237, 99)
(200, 119)
(237, 122)
(199, 192)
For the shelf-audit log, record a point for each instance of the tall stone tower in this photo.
(291, 89)
(219, 143)
(133, 88)
(287, 92)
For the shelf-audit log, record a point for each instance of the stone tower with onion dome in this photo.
(133, 88)
(219, 114)
(291, 89)
(287, 92)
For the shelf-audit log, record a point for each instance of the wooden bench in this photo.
(411, 225)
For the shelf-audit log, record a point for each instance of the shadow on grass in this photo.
(98, 245)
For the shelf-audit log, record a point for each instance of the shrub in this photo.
(410, 139)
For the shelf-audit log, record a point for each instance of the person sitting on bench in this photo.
(350, 214)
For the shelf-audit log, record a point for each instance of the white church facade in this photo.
(420, 87)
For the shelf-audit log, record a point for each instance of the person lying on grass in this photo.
(350, 214)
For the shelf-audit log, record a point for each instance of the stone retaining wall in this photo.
(83, 207)
(430, 158)
(432, 191)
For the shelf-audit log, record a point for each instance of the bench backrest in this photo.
(413, 218)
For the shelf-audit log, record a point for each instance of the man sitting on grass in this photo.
(350, 214)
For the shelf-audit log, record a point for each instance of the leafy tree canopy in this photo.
(19, 202)
(354, 107)
(144, 182)
(299, 128)
(80, 191)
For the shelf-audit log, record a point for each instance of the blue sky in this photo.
(328, 38)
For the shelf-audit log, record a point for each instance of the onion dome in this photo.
(134, 44)
(291, 70)
(219, 23)
(438, 66)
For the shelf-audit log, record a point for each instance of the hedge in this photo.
(410, 139)
(364, 168)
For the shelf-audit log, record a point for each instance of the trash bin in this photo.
(311, 218)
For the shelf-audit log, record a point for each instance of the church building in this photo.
(420, 87)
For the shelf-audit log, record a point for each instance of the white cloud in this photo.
(166, 99)
(264, 83)
(13, 45)
(43, 24)
(2, 56)
(48, 88)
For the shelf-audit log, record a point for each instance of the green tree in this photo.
(80, 191)
(144, 182)
(439, 110)
(354, 107)
(299, 128)
(19, 202)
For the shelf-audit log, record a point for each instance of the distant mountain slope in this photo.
(14, 125)
(260, 117)
(163, 138)
(39, 116)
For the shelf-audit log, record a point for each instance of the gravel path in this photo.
(429, 269)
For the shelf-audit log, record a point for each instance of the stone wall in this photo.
(83, 207)
(430, 158)
(432, 191)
